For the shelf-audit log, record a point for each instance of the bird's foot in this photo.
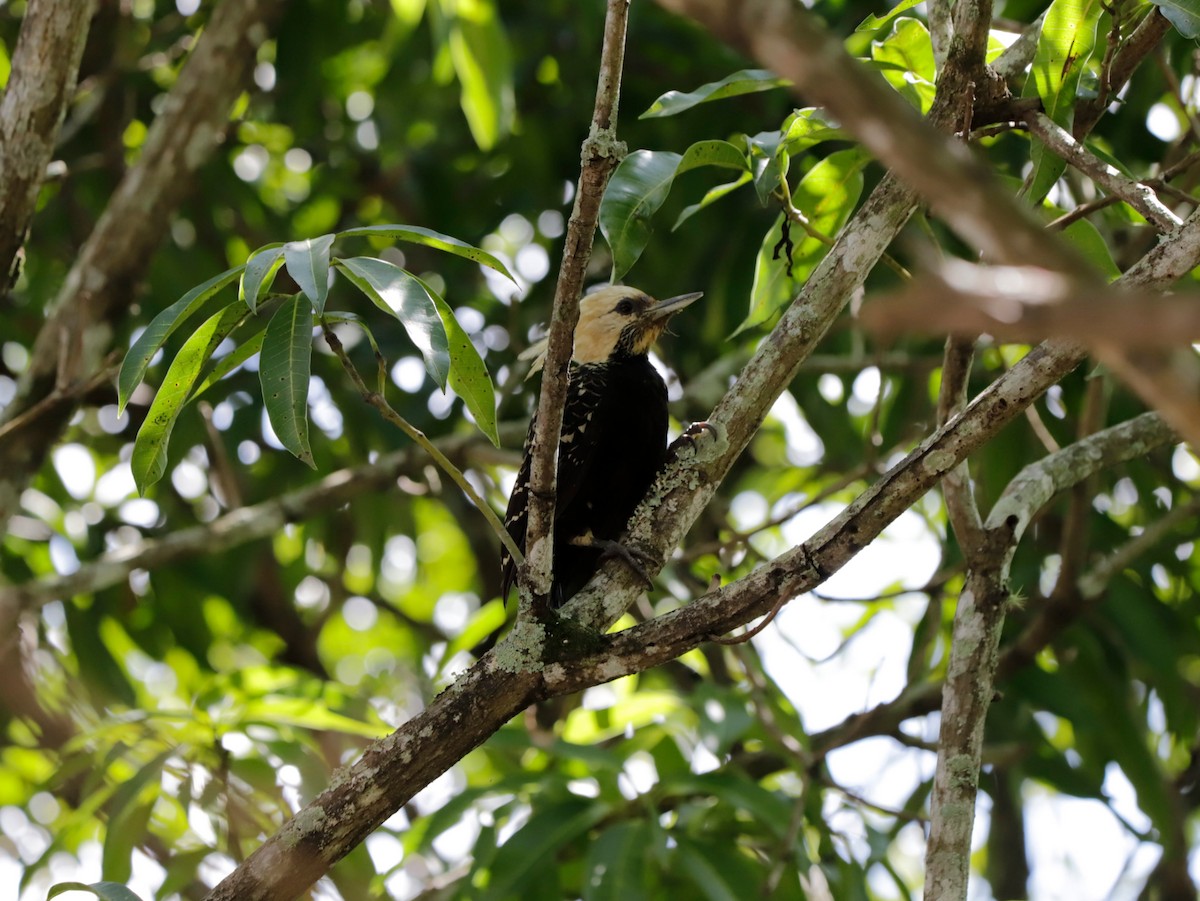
(637, 560)
(701, 442)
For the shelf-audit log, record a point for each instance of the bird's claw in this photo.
(635, 558)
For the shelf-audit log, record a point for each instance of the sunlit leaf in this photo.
(1065, 44)
(874, 23)
(283, 370)
(142, 351)
(905, 58)
(149, 459)
(302, 712)
(483, 62)
(746, 81)
(827, 196)
(429, 238)
(308, 265)
(404, 296)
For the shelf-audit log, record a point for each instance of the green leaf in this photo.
(615, 869)
(429, 238)
(1183, 14)
(1066, 43)
(248, 347)
(142, 351)
(303, 713)
(905, 59)
(718, 871)
(128, 814)
(308, 265)
(260, 273)
(404, 296)
(149, 460)
(746, 81)
(710, 197)
(769, 161)
(874, 23)
(520, 860)
(808, 127)
(283, 371)
(108, 891)
(827, 195)
(639, 187)
(469, 377)
(483, 63)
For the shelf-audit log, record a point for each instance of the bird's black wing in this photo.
(576, 455)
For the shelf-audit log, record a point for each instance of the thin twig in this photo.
(388, 412)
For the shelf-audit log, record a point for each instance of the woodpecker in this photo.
(613, 441)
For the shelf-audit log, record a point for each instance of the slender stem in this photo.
(388, 412)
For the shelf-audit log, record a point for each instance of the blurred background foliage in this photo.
(186, 711)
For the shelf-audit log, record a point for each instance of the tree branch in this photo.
(1139, 196)
(235, 528)
(971, 671)
(77, 333)
(45, 64)
(601, 153)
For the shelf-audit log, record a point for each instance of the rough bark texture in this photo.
(45, 64)
(600, 156)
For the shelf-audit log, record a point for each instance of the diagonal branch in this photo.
(77, 333)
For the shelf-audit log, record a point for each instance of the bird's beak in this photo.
(664, 309)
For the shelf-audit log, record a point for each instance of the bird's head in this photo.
(620, 321)
(616, 321)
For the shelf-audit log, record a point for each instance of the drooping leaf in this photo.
(469, 376)
(616, 866)
(827, 196)
(308, 265)
(483, 63)
(142, 351)
(520, 859)
(259, 274)
(404, 296)
(149, 459)
(769, 161)
(107, 891)
(639, 187)
(746, 81)
(283, 370)
(429, 238)
(1183, 14)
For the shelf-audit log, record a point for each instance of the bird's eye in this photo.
(625, 307)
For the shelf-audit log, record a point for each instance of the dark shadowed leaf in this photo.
(746, 81)
(616, 865)
(283, 370)
(1183, 14)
